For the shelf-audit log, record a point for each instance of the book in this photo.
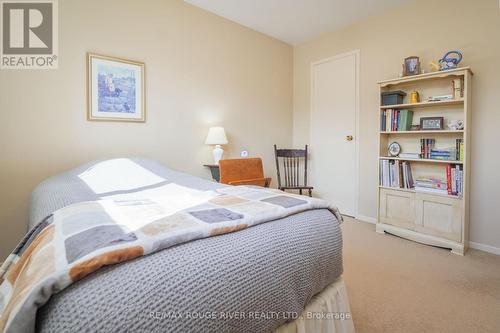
(384, 173)
(395, 174)
(440, 98)
(459, 179)
(382, 121)
(431, 182)
(441, 158)
(431, 190)
(431, 185)
(448, 178)
(394, 120)
(405, 120)
(437, 185)
(459, 149)
(410, 155)
(453, 181)
(457, 89)
(388, 120)
(441, 151)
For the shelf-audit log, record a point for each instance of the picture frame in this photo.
(431, 123)
(116, 89)
(411, 66)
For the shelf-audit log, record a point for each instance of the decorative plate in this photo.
(394, 149)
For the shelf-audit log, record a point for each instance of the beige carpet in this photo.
(396, 285)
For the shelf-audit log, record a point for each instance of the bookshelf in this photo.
(432, 205)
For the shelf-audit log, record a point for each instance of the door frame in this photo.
(356, 54)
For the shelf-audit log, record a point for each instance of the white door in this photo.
(333, 131)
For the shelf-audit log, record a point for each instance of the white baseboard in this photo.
(472, 245)
(367, 219)
(485, 248)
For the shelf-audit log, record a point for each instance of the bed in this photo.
(280, 276)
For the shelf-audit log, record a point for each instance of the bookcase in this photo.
(423, 192)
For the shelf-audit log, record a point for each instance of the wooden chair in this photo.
(243, 171)
(293, 161)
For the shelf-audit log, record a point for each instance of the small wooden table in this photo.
(214, 170)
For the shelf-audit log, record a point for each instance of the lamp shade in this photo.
(216, 136)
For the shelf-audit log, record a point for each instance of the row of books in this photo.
(457, 91)
(454, 177)
(396, 174)
(448, 154)
(396, 120)
(428, 151)
(426, 145)
(451, 185)
(431, 185)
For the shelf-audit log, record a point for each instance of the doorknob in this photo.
(349, 137)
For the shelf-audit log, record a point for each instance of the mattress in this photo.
(253, 280)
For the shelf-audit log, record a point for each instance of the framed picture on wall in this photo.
(115, 89)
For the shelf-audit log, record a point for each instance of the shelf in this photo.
(427, 76)
(424, 132)
(459, 101)
(413, 191)
(424, 160)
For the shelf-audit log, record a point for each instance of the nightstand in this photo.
(214, 170)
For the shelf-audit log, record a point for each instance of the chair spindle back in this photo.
(291, 166)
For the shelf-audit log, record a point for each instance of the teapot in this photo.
(448, 62)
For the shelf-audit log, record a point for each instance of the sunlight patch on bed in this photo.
(167, 190)
(135, 210)
(120, 174)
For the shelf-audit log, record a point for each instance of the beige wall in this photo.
(428, 29)
(202, 70)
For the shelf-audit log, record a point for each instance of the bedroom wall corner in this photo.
(418, 28)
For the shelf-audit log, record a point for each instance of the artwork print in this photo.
(411, 66)
(431, 123)
(115, 89)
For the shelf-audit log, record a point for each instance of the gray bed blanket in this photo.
(253, 280)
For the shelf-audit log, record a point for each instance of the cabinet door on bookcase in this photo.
(397, 208)
(438, 216)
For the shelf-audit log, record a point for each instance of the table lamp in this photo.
(216, 136)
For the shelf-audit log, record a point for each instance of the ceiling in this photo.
(295, 21)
